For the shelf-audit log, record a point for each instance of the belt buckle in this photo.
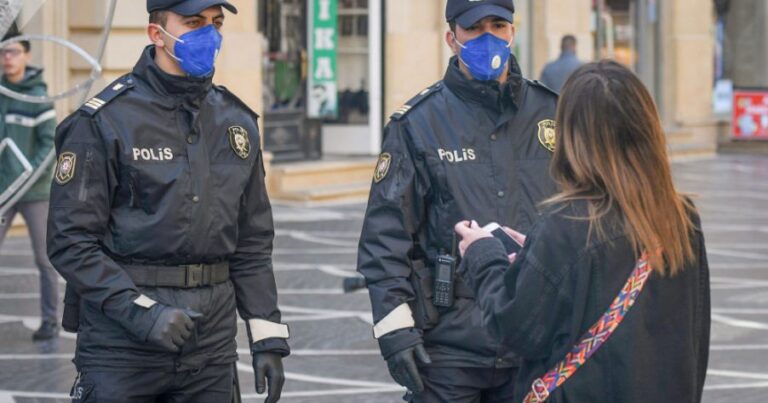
(194, 275)
(539, 390)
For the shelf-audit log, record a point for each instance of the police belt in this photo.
(184, 276)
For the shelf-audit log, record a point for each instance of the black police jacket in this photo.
(163, 170)
(461, 149)
(561, 284)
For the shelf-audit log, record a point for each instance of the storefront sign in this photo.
(750, 115)
(323, 42)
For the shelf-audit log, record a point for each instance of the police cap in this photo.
(468, 12)
(187, 7)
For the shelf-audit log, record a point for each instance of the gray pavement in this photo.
(334, 357)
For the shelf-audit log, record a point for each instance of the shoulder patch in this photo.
(65, 168)
(224, 90)
(537, 83)
(403, 110)
(112, 91)
(382, 167)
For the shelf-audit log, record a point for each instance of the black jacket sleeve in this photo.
(394, 218)
(80, 204)
(703, 312)
(251, 268)
(522, 303)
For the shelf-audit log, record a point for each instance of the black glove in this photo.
(402, 367)
(172, 327)
(269, 366)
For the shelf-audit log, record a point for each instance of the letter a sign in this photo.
(323, 42)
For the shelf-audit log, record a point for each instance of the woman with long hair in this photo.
(614, 275)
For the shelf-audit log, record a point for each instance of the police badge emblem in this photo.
(382, 167)
(547, 134)
(65, 168)
(238, 139)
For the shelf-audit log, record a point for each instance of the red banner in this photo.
(750, 115)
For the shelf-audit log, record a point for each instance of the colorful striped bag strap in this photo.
(595, 336)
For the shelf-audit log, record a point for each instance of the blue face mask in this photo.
(196, 50)
(485, 56)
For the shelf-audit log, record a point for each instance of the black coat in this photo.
(158, 179)
(560, 285)
(461, 149)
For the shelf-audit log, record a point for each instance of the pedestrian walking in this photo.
(31, 127)
(556, 72)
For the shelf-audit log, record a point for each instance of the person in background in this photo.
(31, 126)
(556, 72)
(617, 203)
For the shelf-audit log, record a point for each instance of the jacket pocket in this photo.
(83, 192)
(425, 313)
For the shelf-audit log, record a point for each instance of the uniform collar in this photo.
(489, 94)
(163, 83)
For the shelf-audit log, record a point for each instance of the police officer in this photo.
(475, 145)
(161, 225)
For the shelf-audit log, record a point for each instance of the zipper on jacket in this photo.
(83, 195)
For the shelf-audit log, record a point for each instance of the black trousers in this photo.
(213, 383)
(465, 385)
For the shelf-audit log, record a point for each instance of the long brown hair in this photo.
(611, 151)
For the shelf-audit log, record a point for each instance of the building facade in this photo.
(389, 50)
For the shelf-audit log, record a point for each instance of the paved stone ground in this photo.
(334, 358)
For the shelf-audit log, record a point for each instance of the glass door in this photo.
(287, 132)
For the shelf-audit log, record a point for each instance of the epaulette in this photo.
(235, 98)
(403, 110)
(537, 83)
(112, 91)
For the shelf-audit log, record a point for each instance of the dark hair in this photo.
(611, 151)
(568, 42)
(159, 17)
(24, 44)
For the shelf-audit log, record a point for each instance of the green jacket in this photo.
(32, 127)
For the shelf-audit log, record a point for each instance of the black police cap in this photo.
(187, 7)
(468, 12)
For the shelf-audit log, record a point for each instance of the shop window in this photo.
(628, 32)
(353, 56)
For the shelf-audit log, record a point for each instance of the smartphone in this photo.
(510, 244)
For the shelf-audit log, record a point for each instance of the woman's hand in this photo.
(469, 231)
(512, 257)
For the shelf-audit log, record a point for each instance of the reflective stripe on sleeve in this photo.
(144, 301)
(400, 318)
(263, 329)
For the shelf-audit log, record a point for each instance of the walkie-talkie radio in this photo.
(442, 293)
